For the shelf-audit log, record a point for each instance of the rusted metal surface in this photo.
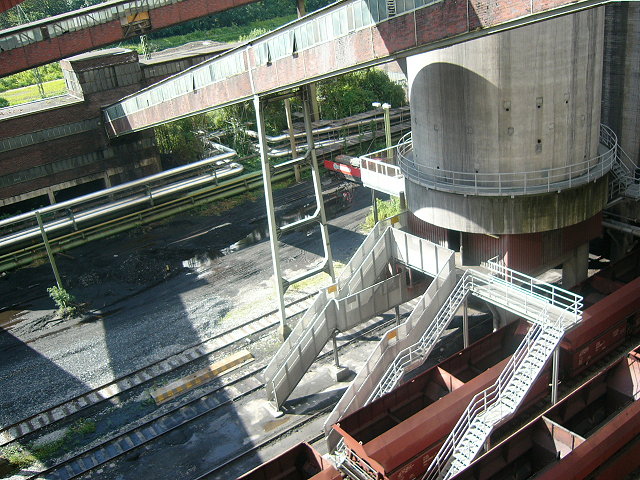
(398, 434)
(604, 326)
(301, 462)
(592, 433)
(7, 4)
(433, 233)
(530, 252)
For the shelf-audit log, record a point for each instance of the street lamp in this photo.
(387, 126)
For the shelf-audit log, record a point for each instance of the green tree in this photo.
(354, 92)
(4, 102)
(180, 138)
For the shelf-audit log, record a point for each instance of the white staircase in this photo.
(420, 350)
(623, 181)
(493, 406)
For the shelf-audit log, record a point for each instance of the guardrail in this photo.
(510, 183)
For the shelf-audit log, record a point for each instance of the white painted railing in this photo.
(510, 183)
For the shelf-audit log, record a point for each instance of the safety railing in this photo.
(504, 279)
(523, 367)
(422, 348)
(510, 183)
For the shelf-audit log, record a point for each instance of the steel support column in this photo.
(292, 137)
(315, 177)
(465, 323)
(274, 231)
(45, 240)
(271, 213)
(554, 375)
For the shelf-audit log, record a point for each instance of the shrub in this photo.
(386, 209)
(65, 302)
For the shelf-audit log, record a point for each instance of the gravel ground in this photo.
(149, 293)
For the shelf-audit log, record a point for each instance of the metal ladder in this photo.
(497, 403)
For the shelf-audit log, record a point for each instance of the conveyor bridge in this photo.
(346, 36)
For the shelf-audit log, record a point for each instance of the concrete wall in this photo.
(621, 75)
(521, 100)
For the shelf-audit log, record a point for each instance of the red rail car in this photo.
(605, 325)
(592, 433)
(396, 436)
(301, 462)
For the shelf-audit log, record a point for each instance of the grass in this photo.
(386, 209)
(222, 34)
(31, 93)
(21, 456)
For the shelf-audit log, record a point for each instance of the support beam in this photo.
(271, 215)
(52, 259)
(465, 323)
(292, 137)
(315, 177)
(554, 376)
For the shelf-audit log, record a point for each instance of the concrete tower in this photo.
(507, 144)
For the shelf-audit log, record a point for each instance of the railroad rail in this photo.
(141, 376)
(181, 414)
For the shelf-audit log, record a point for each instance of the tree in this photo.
(4, 102)
(354, 92)
(181, 140)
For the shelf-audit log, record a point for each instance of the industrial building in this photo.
(524, 149)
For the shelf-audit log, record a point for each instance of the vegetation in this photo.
(21, 456)
(66, 303)
(4, 102)
(354, 92)
(386, 209)
(24, 79)
(31, 93)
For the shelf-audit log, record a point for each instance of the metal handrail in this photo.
(509, 183)
(556, 296)
(485, 400)
(423, 346)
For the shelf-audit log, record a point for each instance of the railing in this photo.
(380, 166)
(554, 295)
(510, 183)
(422, 347)
(480, 403)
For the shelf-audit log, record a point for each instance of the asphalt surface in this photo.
(150, 293)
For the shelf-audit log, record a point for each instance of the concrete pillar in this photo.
(575, 269)
(52, 197)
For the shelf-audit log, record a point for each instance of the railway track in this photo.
(147, 373)
(188, 411)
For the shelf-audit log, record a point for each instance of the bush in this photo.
(354, 93)
(4, 102)
(386, 209)
(65, 302)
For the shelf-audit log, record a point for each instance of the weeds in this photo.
(386, 209)
(66, 303)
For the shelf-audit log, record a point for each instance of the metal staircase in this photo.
(496, 404)
(623, 181)
(420, 350)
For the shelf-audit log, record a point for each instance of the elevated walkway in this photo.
(343, 37)
(357, 296)
(52, 39)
